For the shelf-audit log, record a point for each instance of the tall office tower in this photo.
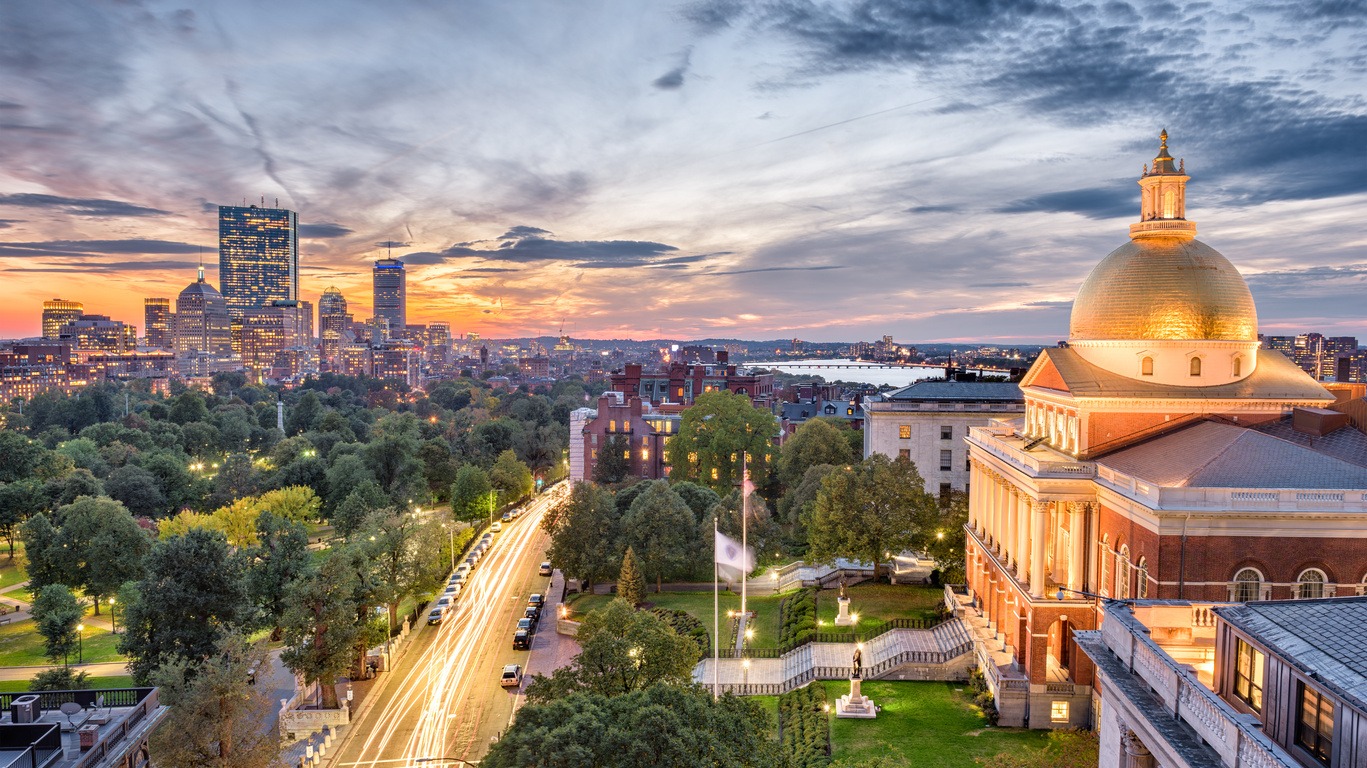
(306, 335)
(258, 257)
(99, 332)
(391, 295)
(201, 321)
(57, 313)
(267, 332)
(156, 316)
(332, 321)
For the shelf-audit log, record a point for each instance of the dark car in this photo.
(507, 517)
(526, 625)
(533, 613)
(436, 616)
(522, 640)
(536, 599)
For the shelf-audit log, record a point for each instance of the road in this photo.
(445, 700)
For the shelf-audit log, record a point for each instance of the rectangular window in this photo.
(1248, 675)
(612, 425)
(645, 454)
(944, 490)
(904, 453)
(946, 432)
(904, 431)
(1315, 729)
(968, 464)
(1058, 711)
(946, 461)
(627, 454)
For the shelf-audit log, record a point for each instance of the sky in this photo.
(938, 170)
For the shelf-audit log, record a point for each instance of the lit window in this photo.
(1146, 366)
(1058, 711)
(1248, 585)
(645, 454)
(1248, 674)
(714, 473)
(1315, 728)
(904, 431)
(626, 454)
(1310, 584)
(692, 458)
(612, 425)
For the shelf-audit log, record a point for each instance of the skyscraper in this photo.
(57, 313)
(156, 315)
(258, 257)
(201, 321)
(391, 295)
(332, 320)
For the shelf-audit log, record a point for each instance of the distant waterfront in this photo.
(868, 373)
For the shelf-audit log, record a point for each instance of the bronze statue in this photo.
(858, 671)
(842, 586)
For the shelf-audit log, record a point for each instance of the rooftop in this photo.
(958, 391)
(1322, 638)
(114, 722)
(1275, 378)
(1344, 443)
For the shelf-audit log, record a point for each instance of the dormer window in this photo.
(1196, 366)
(1146, 366)
(1238, 365)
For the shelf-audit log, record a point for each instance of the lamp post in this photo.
(80, 644)
(493, 498)
(113, 618)
(451, 535)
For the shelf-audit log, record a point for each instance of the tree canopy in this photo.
(713, 436)
(868, 510)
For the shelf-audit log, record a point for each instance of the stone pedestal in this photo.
(855, 704)
(844, 619)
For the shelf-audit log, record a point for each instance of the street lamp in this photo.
(80, 640)
(113, 617)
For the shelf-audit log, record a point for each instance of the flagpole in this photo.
(744, 513)
(716, 614)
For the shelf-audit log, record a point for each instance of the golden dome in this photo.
(1164, 288)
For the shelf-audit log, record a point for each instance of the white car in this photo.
(496, 527)
(512, 676)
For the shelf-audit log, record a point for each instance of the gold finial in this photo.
(1163, 139)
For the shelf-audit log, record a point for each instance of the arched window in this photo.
(1196, 366)
(1169, 204)
(1143, 577)
(1248, 585)
(1104, 557)
(1238, 366)
(1122, 573)
(1362, 586)
(1310, 584)
(1146, 366)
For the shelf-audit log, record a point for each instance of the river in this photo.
(871, 373)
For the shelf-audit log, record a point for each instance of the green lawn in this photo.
(21, 645)
(699, 605)
(928, 723)
(770, 705)
(11, 571)
(101, 683)
(877, 603)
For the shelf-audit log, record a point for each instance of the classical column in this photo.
(1022, 505)
(1136, 754)
(1077, 538)
(1093, 548)
(973, 471)
(1012, 522)
(996, 512)
(1039, 521)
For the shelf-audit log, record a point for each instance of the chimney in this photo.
(723, 357)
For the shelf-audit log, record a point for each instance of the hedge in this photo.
(804, 728)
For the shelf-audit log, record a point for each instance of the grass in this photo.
(699, 605)
(877, 603)
(12, 572)
(768, 704)
(22, 646)
(98, 683)
(928, 723)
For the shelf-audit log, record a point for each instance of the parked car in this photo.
(545, 569)
(507, 517)
(451, 591)
(522, 640)
(436, 615)
(462, 569)
(444, 601)
(533, 613)
(496, 527)
(512, 676)
(536, 599)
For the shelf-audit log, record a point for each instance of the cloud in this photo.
(519, 232)
(110, 267)
(322, 231)
(942, 208)
(7, 223)
(712, 15)
(820, 268)
(80, 206)
(1106, 202)
(674, 78)
(391, 244)
(87, 248)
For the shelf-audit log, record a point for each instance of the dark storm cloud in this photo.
(1105, 202)
(519, 232)
(79, 206)
(674, 78)
(87, 248)
(712, 15)
(526, 244)
(322, 231)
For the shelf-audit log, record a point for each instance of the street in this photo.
(445, 700)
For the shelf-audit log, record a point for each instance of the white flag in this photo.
(732, 555)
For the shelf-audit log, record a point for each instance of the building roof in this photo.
(1344, 443)
(958, 391)
(809, 410)
(1213, 455)
(1322, 638)
(1274, 378)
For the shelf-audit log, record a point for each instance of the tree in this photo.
(761, 532)
(19, 501)
(19, 456)
(347, 472)
(306, 412)
(97, 547)
(137, 489)
(59, 679)
(584, 534)
(193, 595)
(699, 498)
(390, 540)
(947, 543)
(64, 490)
(351, 513)
(47, 561)
(216, 718)
(470, 493)
(280, 557)
(661, 529)
(875, 507)
(613, 465)
(630, 583)
(188, 408)
(320, 628)
(510, 476)
(665, 726)
(298, 504)
(56, 612)
(713, 435)
(815, 442)
(621, 650)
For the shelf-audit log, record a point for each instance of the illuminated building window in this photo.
(1058, 711)
(1315, 729)
(692, 458)
(626, 454)
(1146, 366)
(714, 473)
(645, 454)
(612, 425)
(904, 431)
(1248, 674)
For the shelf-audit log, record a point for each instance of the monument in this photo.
(843, 618)
(854, 703)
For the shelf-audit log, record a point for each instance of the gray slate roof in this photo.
(1344, 443)
(1321, 638)
(958, 391)
(1212, 455)
(1275, 378)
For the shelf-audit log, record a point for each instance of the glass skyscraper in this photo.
(391, 295)
(258, 257)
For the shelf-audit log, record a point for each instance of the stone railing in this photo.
(127, 735)
(989, 440)
(1238, 740)
(1236, 499)
(297, 722)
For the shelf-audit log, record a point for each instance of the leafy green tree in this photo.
(437, 467)
(216, 717)
(510, 476)
(470, 493)
(660, 528)
(64, 490)
(390, 540)
(815, 442)
(19, 456)
(305, 412)
(189, 408)
(346, 473)
(59, 679)
(280, 557)
(320, 625)
(699, 498)
(173, 479)
(621, 650)
(97, 547)
(630, 583)
(875, 507)
(583, 529)
(193, 595)
(612, 466)
(761, 533)
(237, 477)
(947, 543)
(351, 513)
(713, 436)
(137, 489)
(56, 612)
(19, 501)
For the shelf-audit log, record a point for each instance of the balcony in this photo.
(1005, 444)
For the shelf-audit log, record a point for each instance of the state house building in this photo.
(1162, 455)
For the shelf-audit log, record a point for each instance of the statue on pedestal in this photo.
(858, 670)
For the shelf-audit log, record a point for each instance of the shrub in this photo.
(798, 612)
(687, 625)
(804, 728)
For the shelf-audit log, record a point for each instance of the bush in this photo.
(982, 695)
(687, 625)
(799, 618)
(804, 728)
(59, 679)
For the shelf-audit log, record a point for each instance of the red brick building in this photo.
(642, 430)
(1162, 454)
(683, 382)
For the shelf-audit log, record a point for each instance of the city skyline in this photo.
(686, 171)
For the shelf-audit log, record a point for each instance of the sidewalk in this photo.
(104, 669)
